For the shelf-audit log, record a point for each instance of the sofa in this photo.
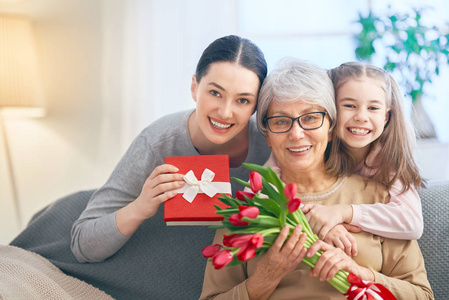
(434, 242)
(174, 269)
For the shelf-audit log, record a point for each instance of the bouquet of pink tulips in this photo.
(255, 219)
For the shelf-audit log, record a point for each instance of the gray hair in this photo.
(294, 80)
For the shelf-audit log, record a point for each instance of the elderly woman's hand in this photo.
(278, 261)
(334, 259)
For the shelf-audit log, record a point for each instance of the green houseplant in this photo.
(413, 53)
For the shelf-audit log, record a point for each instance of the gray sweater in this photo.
(95, 236)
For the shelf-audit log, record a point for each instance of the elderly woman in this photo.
(296, 112)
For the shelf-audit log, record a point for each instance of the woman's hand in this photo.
(323, 218)
(160, 186)
(340, 237)
(278, 261)
(334, 259)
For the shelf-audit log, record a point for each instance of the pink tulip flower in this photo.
(290, 191)
(236, 220)
(256, 240)
(245, 211)
(255, 181)
(211, 250)
(222, 259)
(248, 211)
(236, 240)
(246, 253)
(241, 195)
(293, 205)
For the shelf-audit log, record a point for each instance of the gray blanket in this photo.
(158, 262)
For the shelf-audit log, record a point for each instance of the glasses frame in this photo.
(296, 119)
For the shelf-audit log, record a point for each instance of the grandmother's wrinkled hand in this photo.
(334, 259)
(282, 258)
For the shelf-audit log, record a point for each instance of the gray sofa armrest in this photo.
(434, 242)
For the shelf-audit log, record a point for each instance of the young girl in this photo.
(225, 88)
(377, 141)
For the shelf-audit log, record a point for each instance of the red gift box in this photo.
(201, 211)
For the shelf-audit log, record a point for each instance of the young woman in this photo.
(225, 88)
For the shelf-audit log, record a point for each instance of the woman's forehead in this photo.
(293, 107)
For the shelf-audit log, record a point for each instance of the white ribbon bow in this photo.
(194, 186)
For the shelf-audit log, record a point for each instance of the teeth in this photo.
(300, 149)
(359, 131)
(219, 125)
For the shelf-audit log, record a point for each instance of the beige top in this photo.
(397, 264)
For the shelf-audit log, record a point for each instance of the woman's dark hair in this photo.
(233, 48)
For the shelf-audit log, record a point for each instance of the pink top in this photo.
(401, 218)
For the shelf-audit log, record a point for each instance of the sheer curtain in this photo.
(150, 52)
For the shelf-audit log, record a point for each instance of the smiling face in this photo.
(362, 113)
(225, 100)
(298, 150)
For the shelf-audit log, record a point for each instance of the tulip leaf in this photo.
(242, 182)
(272, 193)
(246, 229)
(269, 239)
(250, 201)
(254, 167)
(225, 200)
(231, 227)
(268, 205)
(230, 201)
(234, 262)
(225, 212)
(263, 220)
(267, 173)
(218, 208)
(259, 169)
(272, 177)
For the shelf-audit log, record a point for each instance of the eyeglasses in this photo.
(309, 121)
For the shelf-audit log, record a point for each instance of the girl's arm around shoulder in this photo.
(401, 218)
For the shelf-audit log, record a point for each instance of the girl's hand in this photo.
(340, 237)
(278, 261)
(160, 186)
(323, 218)
(334, 259)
